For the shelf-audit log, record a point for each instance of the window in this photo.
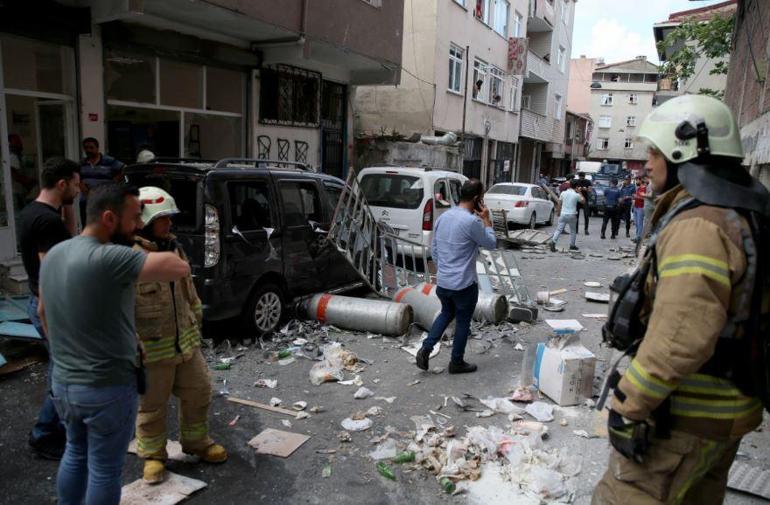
(603, 143)
(629, 143)
(395, 191)
(289, 96)
(250, 205)
(513, 106)
(605, 121)
(482, 10)
(128, 77)
(496, 86)
(480, 88)
(456, 56)
(173, 73)
(441, 194)
(631, 121)
(508, 189)
(633, 98)
(333, 194)
(224, 90)
(518, 25)
(562, 58)
(526, 101)
(455, 185)
(502, 7)
(301, 203)
(607, 100)
(557, 104)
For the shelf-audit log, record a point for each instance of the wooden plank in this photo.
(263, 406)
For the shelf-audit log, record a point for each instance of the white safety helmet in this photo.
(156, 203)
(145, 156)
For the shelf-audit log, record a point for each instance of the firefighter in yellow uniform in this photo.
(168, 317)
(676, 421)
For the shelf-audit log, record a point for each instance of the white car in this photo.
(525, 204)
(410, 199)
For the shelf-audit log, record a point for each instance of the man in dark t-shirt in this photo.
(41, 227)
(584, 188)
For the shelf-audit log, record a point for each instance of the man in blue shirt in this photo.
(96, 169)
(612, 197)
(457, 237)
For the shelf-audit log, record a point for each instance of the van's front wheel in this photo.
(265, 310)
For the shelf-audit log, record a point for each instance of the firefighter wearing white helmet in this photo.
(168, 317)
(679, 411)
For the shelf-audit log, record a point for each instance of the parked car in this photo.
(410, 199)
(254, 234)
(525, 204)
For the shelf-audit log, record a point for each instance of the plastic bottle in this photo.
(404, 457)
(386, 471)
(448, 486)
(222, 366)
(284, 354)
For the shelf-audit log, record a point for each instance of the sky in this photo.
(619, 30)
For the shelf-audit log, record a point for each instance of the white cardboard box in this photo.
(564, 373)
(564, 326)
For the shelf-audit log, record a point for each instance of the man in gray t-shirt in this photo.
(87, 309)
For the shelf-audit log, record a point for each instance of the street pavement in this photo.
(253, 478)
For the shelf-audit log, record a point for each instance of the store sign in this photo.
(517, 55)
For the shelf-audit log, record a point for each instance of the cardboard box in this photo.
(564, 371)
(564, 326)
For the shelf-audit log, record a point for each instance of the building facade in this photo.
(748, 85)
(577, 140)
(455, 78)
(622, 95)
(702, 78)
(201, 80)
(544, 90)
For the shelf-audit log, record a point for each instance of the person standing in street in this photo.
(95, 169)
(694, 386)
(568, 216)
(627, 192)
(87, 300)
(168, 318)
(611, 209)
(641, 190)
(649, 206)
(584, 187)
(41, 226)
(457, 237)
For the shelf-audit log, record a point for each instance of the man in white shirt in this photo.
(568, 215)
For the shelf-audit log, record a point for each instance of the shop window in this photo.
(181, 84)
(211, 137)
(37, 66)
(131, 129)
(224, 90)
(129, 77)
(289, 96)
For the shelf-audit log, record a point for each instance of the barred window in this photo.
(289, 96)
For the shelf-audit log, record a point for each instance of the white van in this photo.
(410, 199)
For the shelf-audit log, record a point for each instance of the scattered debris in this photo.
(386, 450)
(302, 415)
(374, 411)
(357, 424)
(595, 316)
(277, 442)
(262, 406)
(317, 409)
(356, 381)
(344, 437)
(385, 471)
(326, 472)
(386, 399)
(275, 402)
(266, 383)
(335, 360)
(234, 421)
(414, 382)
(286, 423)
(563, 422)
(523, 394)
(363, 393)
(582, 433)
(592, 284)
(749, 479)
(541, 411)
(174, 489)
(501, 406)
(415, 346)
(597, 297)
(299, 405)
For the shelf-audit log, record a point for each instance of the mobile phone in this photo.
(478, 205)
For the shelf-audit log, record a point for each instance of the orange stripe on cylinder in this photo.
(401, 294)
(427, 289)
(323, 303)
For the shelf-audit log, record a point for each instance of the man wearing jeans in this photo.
(568, 216)
(457, 236)
(41, 226)
(87, 308)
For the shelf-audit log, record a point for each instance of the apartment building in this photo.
(577, 140)
(221, 78)
(622, 94)
(544, 89)
(456, 77)
(702, 78)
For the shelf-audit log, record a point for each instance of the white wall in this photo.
(619, 111)
(91, 70)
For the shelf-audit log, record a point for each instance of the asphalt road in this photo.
(252, 478)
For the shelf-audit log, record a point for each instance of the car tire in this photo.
(550, 218)
(532, 221)
(265, 310)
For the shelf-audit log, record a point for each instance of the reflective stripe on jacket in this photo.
(168, 315)
(700, 270)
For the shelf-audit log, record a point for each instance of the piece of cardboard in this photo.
(564, 326)
(565, 374)
(277, 442)
(175, 489)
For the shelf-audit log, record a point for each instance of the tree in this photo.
(693, 40)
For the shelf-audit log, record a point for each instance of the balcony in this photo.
(539, 127)
(536, 69)
(541, 16)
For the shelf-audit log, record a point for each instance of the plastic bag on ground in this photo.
(386, 450)
(541, 411)
(502, 406)
(330, 368)
(549, 484)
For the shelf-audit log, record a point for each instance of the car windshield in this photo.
(604, 183)
(396, 191)
(507, 189)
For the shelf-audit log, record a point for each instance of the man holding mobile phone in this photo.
(457, 237)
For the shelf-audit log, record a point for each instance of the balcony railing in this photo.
(541, 15)
(539, 127)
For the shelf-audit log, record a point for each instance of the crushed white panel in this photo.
(749, 479)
